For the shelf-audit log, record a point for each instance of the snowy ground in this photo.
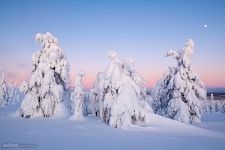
(163, 133)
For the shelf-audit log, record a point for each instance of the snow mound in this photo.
(61, 111)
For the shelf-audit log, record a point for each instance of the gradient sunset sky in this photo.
(140, 29)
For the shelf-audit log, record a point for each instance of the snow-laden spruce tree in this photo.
(119, 94)
(179, 93)
(3, 91)
(77, 98)
(44, 92)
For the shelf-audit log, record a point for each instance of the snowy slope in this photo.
(162, 133)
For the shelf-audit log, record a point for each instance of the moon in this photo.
(205, 25)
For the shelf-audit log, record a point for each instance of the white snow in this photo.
(161, 133)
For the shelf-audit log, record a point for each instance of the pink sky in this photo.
(211, 78)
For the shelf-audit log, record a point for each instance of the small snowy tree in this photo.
(96, 95)
(212, 97)
(179, 93)
(3, 91)
(77, 98)
(44, 91)
(119, 94)
(212, 106)
(14, 93)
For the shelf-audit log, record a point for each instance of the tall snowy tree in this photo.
(179, 93)
(119, 94)
(77, 98)
(46, 87)
(3, 91)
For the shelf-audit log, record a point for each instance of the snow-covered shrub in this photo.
(118, 94)
(3, 91)
(179, 93)
(46, 87)
(77, 98)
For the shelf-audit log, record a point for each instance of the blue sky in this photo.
(142, 30)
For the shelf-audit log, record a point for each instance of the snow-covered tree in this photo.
(179, 93)
(77, 98)
(212, 97)
(3, 91)
(212, 106)
(118, 92)
(96, 95)
(44, 92)
(14, 93)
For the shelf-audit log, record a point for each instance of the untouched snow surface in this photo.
(92, 133)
